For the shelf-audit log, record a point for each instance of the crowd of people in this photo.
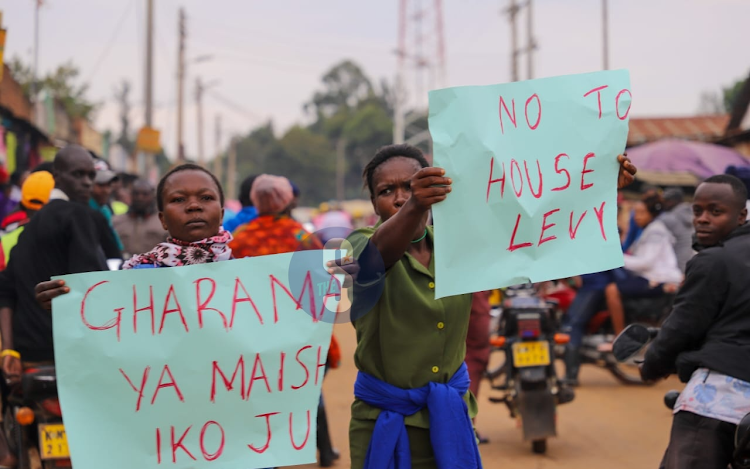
(419, 361)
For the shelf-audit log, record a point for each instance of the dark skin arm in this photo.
(626, 176)
(49, 290)
(11, 365)
(393, 237)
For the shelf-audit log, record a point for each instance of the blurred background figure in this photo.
(332, 222)
(743, 174)
(16, 181)
(678, 218)
(634, 231)
(7, 204)
(121, 191)
(140, 229)
(273, 231)
(248, 212)
(102, 192)
(651, 268)
(35, 194)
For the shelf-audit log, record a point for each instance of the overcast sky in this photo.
(269, 55)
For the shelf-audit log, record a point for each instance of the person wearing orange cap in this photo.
(35, 193)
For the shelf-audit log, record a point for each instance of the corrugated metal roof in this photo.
(701, 128)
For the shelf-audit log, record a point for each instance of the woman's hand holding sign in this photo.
(626, 176)
(429, 186)
(49, 290)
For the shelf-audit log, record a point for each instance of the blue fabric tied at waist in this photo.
(451, 432)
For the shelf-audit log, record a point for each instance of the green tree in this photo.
(350, 108)
(303, 156)
(347, 108)
(730, 94)
(61, 83)
(345, 87)
(309, 161)
(257, 149)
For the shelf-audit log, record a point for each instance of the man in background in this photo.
(101, 194)
(140, 229)
(64, 237)
(121, 191)
(35, 194)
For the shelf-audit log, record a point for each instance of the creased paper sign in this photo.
(209, 366)
(534, 175)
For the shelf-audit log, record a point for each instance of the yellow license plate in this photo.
(53, 442)
(530, 354)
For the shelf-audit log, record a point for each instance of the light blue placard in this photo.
(484, 133)
(108, 422)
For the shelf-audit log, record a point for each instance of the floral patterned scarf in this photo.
(175, 253)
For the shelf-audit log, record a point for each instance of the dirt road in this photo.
(608, 425)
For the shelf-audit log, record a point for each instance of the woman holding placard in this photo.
(412, 402)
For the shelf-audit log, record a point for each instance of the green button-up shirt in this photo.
(409, 338)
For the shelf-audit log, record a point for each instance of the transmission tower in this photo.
(420, 65)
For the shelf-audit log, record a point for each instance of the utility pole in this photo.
(199, 108)
(530, 44)
(232, 167)
(605, 34)
(217, 143)
(340, 158)
(145, 163)
(513, 11)
(36, 50)
(149, 94)
(180, 84)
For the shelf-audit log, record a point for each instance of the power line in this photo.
(235, 107)
(111, 42)
(217, 49)
(267, 63)
(220, 29)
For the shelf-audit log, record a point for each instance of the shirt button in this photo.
(435, 369)
(432, 285)
(441, 325)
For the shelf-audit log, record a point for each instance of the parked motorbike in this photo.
(631, 343)
(647, 311)
(527, 381)
(33, 421)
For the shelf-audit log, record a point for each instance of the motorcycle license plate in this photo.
(530, 354)
(53, 442)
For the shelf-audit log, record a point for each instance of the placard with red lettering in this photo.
(534, 170)
(208, 366)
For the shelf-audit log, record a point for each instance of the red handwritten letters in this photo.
(245, 381)
(535, 177)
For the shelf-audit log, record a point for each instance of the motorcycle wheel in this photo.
(626, 373)
(539, 446)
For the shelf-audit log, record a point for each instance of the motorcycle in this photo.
(33, 423)
(599, 331)
(527, 381)
(631, 344)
